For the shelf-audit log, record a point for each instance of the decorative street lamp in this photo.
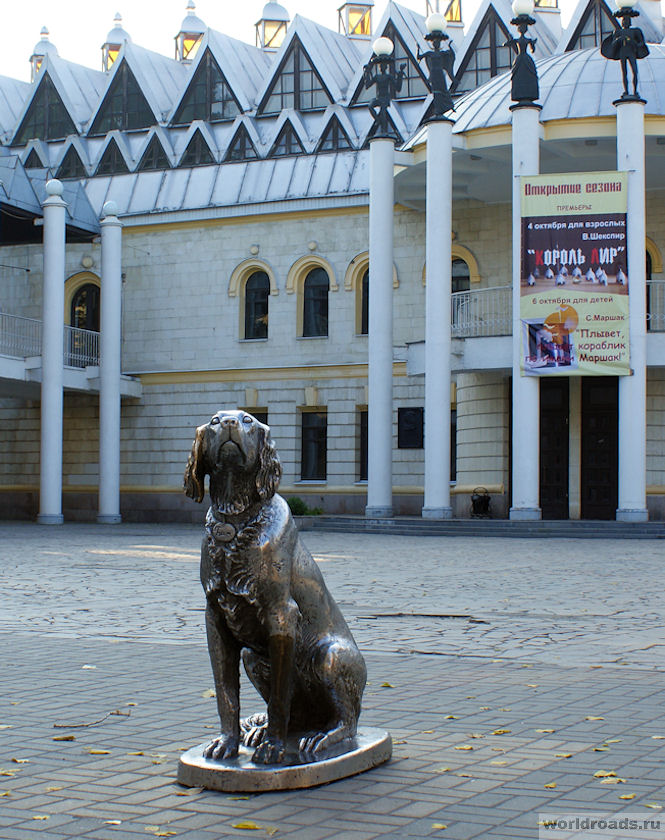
(626, 45)
(439, 62)
(524, 88)
(380, 71)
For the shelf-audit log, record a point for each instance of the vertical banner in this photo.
(574, 275)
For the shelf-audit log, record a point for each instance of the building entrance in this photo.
(554, 448)
(599, 468)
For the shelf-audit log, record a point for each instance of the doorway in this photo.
(554, 457)
(599, 466)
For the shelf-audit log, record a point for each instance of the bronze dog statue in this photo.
(267, 603)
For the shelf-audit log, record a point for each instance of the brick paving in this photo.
(544, 661)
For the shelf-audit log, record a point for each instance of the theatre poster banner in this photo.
(574, 276)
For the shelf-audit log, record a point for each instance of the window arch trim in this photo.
(460, 252)
(656, 256)
(72, 285)
(244, 271)
(301, 268)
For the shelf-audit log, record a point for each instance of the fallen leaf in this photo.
(4, 772)
(627, 796)
(9, 726)
(439, 826)
(247, 826)
(601, 749)
(452, 717)
(401, 741)
(485, 708)
(658, 737)
(506, 709)
(546, 731)
(614, 780)
(64, 738)
(131, 704)
(532, 685)
(471, 697)
(653, 805)
(88, 667)
(138, 752)
(53, 788)
(604, 774)
(525, 665)
(550, 785)
(501, 732)
(464, 775)
(498, 761)
(563, 755)
(595, 666)
(40, 817)
(386, 685)
(239, 797)
(614, 741)
(208, 693)
(21, 760)
(442, 770)
(428, 732)
(476, 735)
(112, 822)
(547, 823)
(593, 717)
(464, 747)
(99, 752)
(5, 793)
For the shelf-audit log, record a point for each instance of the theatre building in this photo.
(190, 232)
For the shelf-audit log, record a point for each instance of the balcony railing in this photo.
(656, 306)
(22, 338)
(482, 312)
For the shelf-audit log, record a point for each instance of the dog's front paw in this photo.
(226, 746)
(269, 751)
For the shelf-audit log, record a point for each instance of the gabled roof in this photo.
(183, 140)
(580, 11)
(80, 147)
(40, 148)
(244, 67)
(159, 78)
(163, 137)
(120, 140)
(546, 39)
(15, 186)
(293, 118)
(80, 213)
(12, 99)
(333, 56)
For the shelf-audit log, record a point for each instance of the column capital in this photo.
(110, 214)
(54, 191)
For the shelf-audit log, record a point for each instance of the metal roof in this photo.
(12, 98)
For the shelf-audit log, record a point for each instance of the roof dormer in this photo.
(42, 48)
(355, 20)
(114, 41)
(188, 40)
(271, 29)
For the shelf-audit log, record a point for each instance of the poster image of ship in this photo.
(573, 275)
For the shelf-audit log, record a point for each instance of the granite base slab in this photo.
(368, 749)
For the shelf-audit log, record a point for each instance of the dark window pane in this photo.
(362, 446)
(287, 143)
(112, 162)
(85, 308)
(453, 444)
(33, 161)
(154, 157)
(315, 303)
(124, 107)
(197, 153)
(208, 96)
(71, 166)
(241, 147)
(334, 138)
(460, 276)
(410, 427)
(364, 304)
(257, 291)
(314, 445)
(47, 117)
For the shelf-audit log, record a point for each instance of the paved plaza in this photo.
(510, 673)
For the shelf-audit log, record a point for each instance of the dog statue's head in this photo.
(238, 454)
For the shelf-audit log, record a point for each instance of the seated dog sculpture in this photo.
(267, 603)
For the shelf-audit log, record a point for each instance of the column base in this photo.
(50, 519)
(525, 514)
(632, 515)
(109, 519)
(378, 512)
(437, 513)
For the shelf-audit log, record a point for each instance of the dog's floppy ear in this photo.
(195, 473)
(270, 468)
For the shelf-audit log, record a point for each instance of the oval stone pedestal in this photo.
(368, 749)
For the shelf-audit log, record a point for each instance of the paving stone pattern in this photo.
(488, 644)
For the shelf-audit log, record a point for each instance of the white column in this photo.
(633, 389)
(53, 339)
(380, 361)
(109, 374)
(526, 391)
(439, 192)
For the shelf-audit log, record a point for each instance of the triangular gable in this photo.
(295, 84)
(590, 23)
(154, 156)
(124, 107)
(241, 146)
(486, 56)
(287, 142)
(33, 160)
(406, 30)
(208, 95)
(334, 137)
(71, 164)
(198, 151)
(13, 95)
(245, 67)
(113, 160)
(45, 117)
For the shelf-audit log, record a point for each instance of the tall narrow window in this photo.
(315, 303)
(297, 85)
(84, 313)
(410, 428)
(461, 279)
(362, 445)
(313, 464)
(364, 304)
(257, 292)
(487, 56)
(453, 444)
(124, 106)
(47, 117)
(208, 96)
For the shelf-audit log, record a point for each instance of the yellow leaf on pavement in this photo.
(498, 761)
(64, 737)
(99, 752)
(112, 822)
(53, 788)
(40, 817)
(627, 796)
(501, 732)
(464, 747)
(532, 685)
(21, 760)
(546, 731)
(442, 770)
(563, 755)
(247, 826)
(615, 780)
(439, 826)
(452, 717)
(593, 717)
(5, 793)
(653, 805)
(386, 685)
(604, 774)
(550, 785)
(209, 692)
(9, 726)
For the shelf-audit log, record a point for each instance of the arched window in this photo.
(84, 314)
(364, 304)
(257, 290)
(315, 303)
(461, 277)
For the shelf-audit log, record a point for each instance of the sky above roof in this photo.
(78, 28)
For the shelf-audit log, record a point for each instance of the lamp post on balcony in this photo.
(380, 72)
(439, 200)
(526, 161)
(627, 46)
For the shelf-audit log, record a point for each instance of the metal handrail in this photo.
(482, 312)
(22, 337)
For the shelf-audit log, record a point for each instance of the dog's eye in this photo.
(214, 421)
(246, 419)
